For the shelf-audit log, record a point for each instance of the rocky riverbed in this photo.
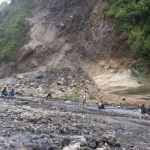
(36, 124)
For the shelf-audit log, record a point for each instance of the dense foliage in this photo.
(13, 28)
(3, 6)
(132, 18)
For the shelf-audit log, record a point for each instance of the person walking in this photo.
(84, 98)
(49, 95)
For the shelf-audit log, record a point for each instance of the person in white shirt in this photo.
(84, 98)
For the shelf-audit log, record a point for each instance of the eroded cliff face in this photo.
(66, 33)
(76, 34)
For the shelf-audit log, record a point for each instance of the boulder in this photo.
(20, 76)
(62, 25)
(20, 92)
(75, 146)
(62, 89)
(60, 83)
(118, 143)
(82, 144)
(39, 76)
(17, 85)
(92, 144)
(34, 63)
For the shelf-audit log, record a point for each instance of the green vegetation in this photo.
(75, 96)
(13, 28)
(3, 6)
(91, 96)
(132, 19)
(139, 71)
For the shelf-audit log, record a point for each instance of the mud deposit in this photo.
(33, 124)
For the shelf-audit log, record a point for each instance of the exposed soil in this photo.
(34, 124)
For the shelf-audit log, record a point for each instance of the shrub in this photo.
(13, 28)
(91, 96)
(132, 19)
(75, 96)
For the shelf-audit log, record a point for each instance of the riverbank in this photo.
(30, 123)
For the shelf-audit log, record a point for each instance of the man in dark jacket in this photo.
(49, 95)
(143, 109)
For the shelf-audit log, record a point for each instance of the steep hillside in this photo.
(75, 34)
(65, 33)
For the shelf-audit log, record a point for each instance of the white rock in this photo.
(75, 146)
(63, 80)
(99, 149)
(54, 86)
(26, 107)
(67, 102)
(17, 85)
(20, 76)
(40, 90)
(83, 139)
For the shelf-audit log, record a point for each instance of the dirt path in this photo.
(35, 125)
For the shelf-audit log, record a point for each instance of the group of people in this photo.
(5, 93)
(144, 110)
(100, 104)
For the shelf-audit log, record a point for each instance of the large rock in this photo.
(75, 146)
(20, 92)
(92, 144)
(60, 83)
(62, 89)
(34, 63)
(17, 85)
(20, 76)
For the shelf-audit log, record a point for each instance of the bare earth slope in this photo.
(64, 33)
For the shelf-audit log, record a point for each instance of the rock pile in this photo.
(62, 83)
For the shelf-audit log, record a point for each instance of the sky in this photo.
(2, 1)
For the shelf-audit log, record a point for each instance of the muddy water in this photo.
(108, 108)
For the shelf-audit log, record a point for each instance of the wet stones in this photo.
(65, 141)
(111, 140)
(92, 144)
(75, 146)
(30, 147)
(54, 147)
